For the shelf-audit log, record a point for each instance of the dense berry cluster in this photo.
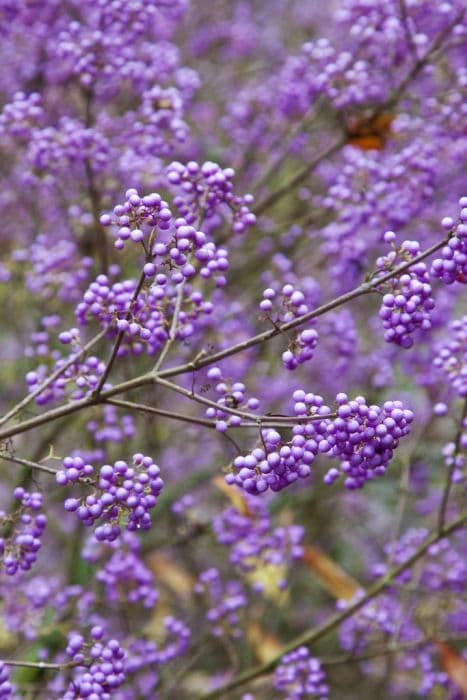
(205, 190)
(363, 438)
(452, 266)
(138, 218)
(407, 303)
(105, 661)
(123, 494)
(276, 464)
(300, 676)
(144, 318)
(23, 530)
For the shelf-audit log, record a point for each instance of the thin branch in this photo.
(43, 665)
(92, 190)
(287, 140)
(447, 486)
(143, 408)
(258, 420)
(298, 178)
(403, 490)
(311, 636)
(173, 415)
(28, 463)
(385, 651)
(405, 25)
(58, 372)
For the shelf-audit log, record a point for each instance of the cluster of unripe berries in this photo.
(120, 492)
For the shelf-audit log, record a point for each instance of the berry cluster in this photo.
(77, 381)
(58, 148)
(109, 427)
(279, 463)
(19, 117)
(106, 666)
(204, 189)
(407, 303)
(300, 676)
(253, 541)
(300, 349)
(362, 437)
(293, 304)
(178, 646)
(137, 218)
(122, 494)
(224, 601)
(144, 320)
(161, 121)
(24, 529)
(276, 464)
(54, 268)
(6, 687)
(231, 398)
(126, 577)
(452, 357)
(452, 266)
